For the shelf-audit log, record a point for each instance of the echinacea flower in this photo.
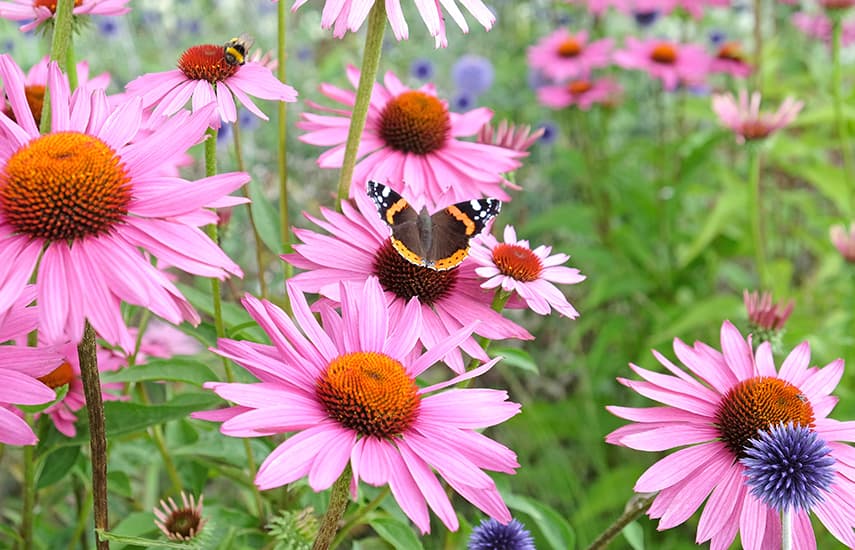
(729, 59)
(819, 26)
(743, 115)
(531, 274)
(84, 209)
(359, 247)
(349, 15)
(492, 535)
(563, 55)
(582, 93)
(671, 62)
(36, 12)
(346, 388)
(510, 136)
(411, 143)
(764, 313)
(715, 407)
(181, 523)
(844, 241)
(204, 76)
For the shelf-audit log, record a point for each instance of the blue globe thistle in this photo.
(422, 69)
(536, 79)
(107, 26)
(717, 37)
(462, 101)
(550, 132)
(492, 535)
(473, 74)
(646, 18)
(788, 467)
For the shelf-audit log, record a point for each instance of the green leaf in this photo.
(139, 541)
(265, 216)
(57, 465)
(551, 524)
(634, 535)
(396, 533)
(515, 357)
(729, 206)
(178, 369)
(827, 179)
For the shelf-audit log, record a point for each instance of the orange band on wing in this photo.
(406, 253)
(452, 261)
(393, 210)
(463, 218)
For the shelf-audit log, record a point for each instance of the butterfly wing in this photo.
(452, 228)
(402, 219)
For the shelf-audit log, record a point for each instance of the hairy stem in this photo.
(338, 503)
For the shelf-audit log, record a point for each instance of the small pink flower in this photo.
(411, 143)
(510, 136)
(844, 241)
(670, 62)
(204, 76)
(531, 274)
(582, 93)
(763, 313)
(729, 59)
(743, 116)
(818, 26)
(562, 55)
(182, 523)
(345, 387)
(42, 10)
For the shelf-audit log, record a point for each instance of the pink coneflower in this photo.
(670, 62)
(40, 11)
(349, 15)
(348, 388)
(515, 267)
(843, 240)
(729, 59)
(359, 247)
(582, 93)
(510, 136)
(204, 76)
(765, 314)
(743, 115)
(818, 26)
(182, 523)
(410, 143)
(716, 411)
(77, 205)
(562, 55)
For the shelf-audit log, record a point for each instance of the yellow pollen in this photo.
(578, 87)
(51, 4)
(415, 122)
(370, 393)
(664, 53)
(757, 404)
(64, 186)
(60, 376)
(517, 262)
(570, 47)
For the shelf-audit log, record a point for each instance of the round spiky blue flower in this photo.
(473, 74)
(789, 467)
(492, 535)
(422, 68)
(646, 18)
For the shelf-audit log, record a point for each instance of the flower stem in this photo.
(837, 99)
(338, 503)
(88, 358)
(284, 233)
(500, 298)
(755, 205)
(787, 529)
(639, 504)
(259, 252)
(156, 434)
(59, 48)
(758, 45)
(368, 73)
(357, 517)
(29, 493)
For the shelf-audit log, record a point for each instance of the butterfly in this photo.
(438, 241)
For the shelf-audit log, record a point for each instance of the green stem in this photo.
(79, 534)
(357, 517)
(666, 187)
(87, 355)
(837, 98)
(755, 205)
(339, 498)
(368, 73)
(284, 228)
(758, 45)
(59, 52)
(639, 504)
(500, 298)
(156, 434)
(787, 529)
(29, 492)
(71, 67)
(259, 253)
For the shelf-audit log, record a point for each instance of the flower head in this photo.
(510, 136)
(359, 247)
(411, 142)
(581, 93)
(181, 523)
(729, 59)
(743, 115)
(844, 241)
(492, 535)
(422, 68)
(764, 315)
(204, 75)
(517, 268)
(473, 74)
(716, 407)
(347, 387)
(36, 12)
(563, 55)
(670, 62)
(84, 209)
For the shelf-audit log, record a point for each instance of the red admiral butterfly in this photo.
(437, 241)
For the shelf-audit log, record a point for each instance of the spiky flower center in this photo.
(756, 128)
(406, 280)
(206, 62)
(415, 122)
(51, 4)
(35, 95)
(731, 51)
(183, 524)
(664, 53)
(518, 262)
(755, 405)
(579, 87)
(370, 393)
(64, 186)
(59, 376)
(569, 47)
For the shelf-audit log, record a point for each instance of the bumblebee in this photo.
(236, 49)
